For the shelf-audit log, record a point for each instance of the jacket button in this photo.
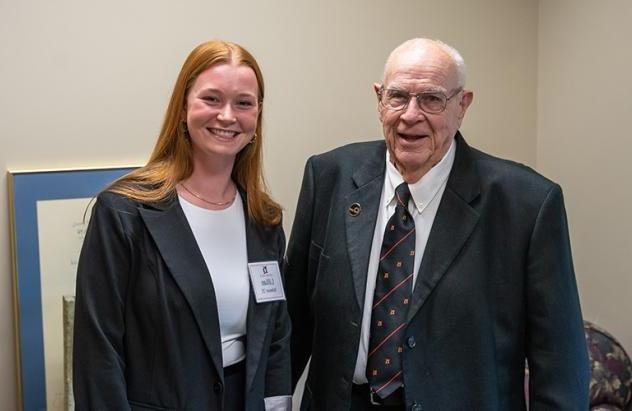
(217, 387)
(416, 407)
(411, 343)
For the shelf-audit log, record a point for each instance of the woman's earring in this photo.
(184, 129)
(254, 139)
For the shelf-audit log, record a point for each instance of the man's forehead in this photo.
(429, 77)
(429, 63)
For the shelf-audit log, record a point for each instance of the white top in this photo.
(221, 236)
(426, 196)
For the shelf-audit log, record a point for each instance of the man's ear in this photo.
(464, 104)
(376, 88)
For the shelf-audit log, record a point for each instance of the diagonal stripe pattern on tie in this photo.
(393, 290)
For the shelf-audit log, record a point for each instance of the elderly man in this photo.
(422, 272)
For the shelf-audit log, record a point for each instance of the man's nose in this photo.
(412, 112)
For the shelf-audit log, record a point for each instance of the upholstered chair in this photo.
(610, 371)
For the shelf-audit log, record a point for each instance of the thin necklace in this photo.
(199, 197)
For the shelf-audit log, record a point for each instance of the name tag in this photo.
(265, 277)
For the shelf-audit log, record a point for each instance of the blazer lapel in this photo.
(172, 234)
(453, 224)
(257, 323)
(360, 226)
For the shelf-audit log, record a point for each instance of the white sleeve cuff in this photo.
(279, 403)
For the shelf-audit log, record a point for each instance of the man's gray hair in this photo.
(419, 43)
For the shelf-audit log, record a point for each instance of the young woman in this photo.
(169, 312)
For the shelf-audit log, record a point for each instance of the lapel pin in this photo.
(355, 209)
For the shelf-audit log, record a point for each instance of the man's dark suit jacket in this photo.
(496, 285)
(147, 333)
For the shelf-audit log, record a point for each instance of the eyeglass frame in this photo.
(382, 89)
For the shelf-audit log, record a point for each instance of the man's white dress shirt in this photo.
(426, 196)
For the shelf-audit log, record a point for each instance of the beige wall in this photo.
(86, 83)
(584, 143)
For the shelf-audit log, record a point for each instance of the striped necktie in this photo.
(393, 289)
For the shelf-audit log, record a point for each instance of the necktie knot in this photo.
(403, 195)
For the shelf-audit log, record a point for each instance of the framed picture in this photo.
(49, 215)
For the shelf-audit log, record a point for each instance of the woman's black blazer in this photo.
(146, 334)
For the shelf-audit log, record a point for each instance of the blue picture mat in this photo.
(28, 189)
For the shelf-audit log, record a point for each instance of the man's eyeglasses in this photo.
(432, 102)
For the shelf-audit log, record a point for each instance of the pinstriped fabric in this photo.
(393, 289)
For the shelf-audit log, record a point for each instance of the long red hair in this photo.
(171, 160)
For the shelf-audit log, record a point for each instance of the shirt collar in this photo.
(424, 190)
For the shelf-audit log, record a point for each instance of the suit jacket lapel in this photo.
(172, 234)
(258, 320)
(453, 224)
(369, 180)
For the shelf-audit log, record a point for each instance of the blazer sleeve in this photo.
(98, 354)
(278, 380)
(556, 346)
(297, 276)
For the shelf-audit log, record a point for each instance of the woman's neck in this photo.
(209, 186)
